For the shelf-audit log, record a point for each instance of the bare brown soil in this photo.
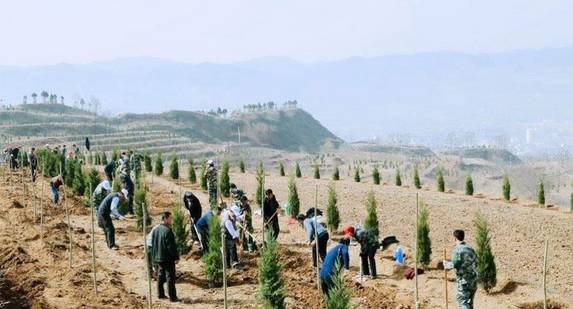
(37, 269)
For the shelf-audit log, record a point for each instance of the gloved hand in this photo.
(448, 264)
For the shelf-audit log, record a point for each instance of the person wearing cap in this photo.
(312, 228)
(165, 256)
(464, 260)
(271, 208)
(203, 227)
(100, 192)
(368, 247)
(108, 208)
(228, 220)
(193, 205)
(211, 176)
(237, 193)
(336, 259)
(55, 184)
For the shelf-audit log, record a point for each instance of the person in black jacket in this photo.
(165, 256)
(271, 208)
(193, 205)
(109, 169)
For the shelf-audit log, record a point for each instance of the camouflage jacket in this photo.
(464, 260)
(123, 165)
(211, 176)
(367, 240)
(135, 162)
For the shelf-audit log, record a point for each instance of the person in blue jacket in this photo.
(203, 227)
(337, 256)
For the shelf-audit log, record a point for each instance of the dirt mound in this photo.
(539, 305)
(16, 204)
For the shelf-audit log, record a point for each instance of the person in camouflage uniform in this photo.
(100, 192)
(368, 247)
(237, 194)
(464, 260)
(211, 176)
(247, 219)
(135, 160)
(127, 183)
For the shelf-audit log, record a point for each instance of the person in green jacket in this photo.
(165, 256)
(211, 176)
(247, 219)
(464, 260)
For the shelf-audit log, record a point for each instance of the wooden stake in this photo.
(263, 210)
(416, 257)
(41, 200)
(545, 275)
(93, 244)
(149, 300)
(67, 218)
(224, 256)
(316, 239)
(446, 279)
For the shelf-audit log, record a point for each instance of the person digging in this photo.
(312, 228)
(464, 260)
(193, 205)
(165, 256)
(107, 209)
(246, 216)
(335, 260)
(368, 247)
(228, 219)
(203, 228)
(271, 208)
(55, 184)
(100, 192)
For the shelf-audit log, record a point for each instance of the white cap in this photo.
(124, 192)
(210, 162)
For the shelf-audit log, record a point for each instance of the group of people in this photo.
(236, 223)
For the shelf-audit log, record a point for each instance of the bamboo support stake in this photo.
(316, 239)
(41, 200)
(545, 275)
(263, 209)
(93, 244)
(446, 279)
(416, 257)
(67, 218)
(149, 300)
(224, 256)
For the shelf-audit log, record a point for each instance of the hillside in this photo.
(293, 129)
(356, 97)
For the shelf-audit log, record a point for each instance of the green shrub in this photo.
(417, 182)
(192, 177)
(224, 181)
(339, 295)
(281, 169)
(293, 199)
(213, 258)
(242, 166)
(140, 203)
(297, 171)
(180, 230)
(371, 223)
(541, 194)
(441, 183)
(332, 213)
(271, 285)
(203, 177)
(336, 174)
(316, 172)
(174, 167)
(158, 165)
(147, 162)
(260, 176)
(376, 175)
(423, 234)
(398, 181)
(469, 185)
(506, 188)
(487, 273)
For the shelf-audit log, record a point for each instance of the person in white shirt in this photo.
(228, 219)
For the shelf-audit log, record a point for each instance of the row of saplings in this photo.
(271, 289)
(100, 158)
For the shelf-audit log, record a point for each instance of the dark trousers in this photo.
(166, 273)
(33, 170)
(369, 262)
(325, 284)
(322, 242)
(204, 240)
(130, 187)
(275, 229)
(193, 231)
(55, 193)
(109, 176)
(231, 251)
(109, 230)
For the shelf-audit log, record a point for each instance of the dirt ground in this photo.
(34, 266)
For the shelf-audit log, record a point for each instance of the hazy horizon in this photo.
(65, 31)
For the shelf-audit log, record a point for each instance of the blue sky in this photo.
(55, 31)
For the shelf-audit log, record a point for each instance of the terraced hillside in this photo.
(293, 129)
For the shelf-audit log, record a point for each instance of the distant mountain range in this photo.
(426, 95)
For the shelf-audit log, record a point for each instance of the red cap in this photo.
(348, 230)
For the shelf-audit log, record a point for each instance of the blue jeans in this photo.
(55, 193)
